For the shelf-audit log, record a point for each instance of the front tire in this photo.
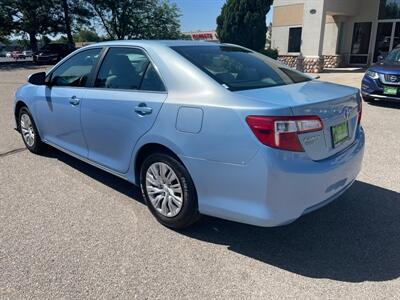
(169, 191)
(29, 132)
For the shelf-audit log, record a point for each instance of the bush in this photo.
(273, 53)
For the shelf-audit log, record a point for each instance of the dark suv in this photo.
(52, 53)
(382, 80)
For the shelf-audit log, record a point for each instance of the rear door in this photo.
(121, 106)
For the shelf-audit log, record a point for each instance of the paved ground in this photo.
(68, 230)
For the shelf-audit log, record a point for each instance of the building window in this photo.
(389, 9)
(294, 39)
(360, 43)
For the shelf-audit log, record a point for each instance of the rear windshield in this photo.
(239, 69)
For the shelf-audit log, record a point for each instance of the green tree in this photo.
(138, 19)
(31, 17)
(243, 22)
(6, 21)
(86, 35)
(70, 15)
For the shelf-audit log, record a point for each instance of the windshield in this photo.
(394, 56)
(240, 69)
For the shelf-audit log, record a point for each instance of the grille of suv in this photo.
(392, 78)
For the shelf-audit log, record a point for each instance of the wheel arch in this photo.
(147, 149)
(18, 105)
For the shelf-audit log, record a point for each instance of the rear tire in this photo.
(169, 191)
(29, 132)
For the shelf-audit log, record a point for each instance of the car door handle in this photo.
(142, 109)
(74, 100)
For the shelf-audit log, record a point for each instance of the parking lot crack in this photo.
(11, 152)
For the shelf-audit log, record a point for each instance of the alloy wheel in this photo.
(27, 130)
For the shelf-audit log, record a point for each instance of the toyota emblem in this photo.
(347, 111)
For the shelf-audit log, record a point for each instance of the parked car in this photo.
(8, 54)
(382, 80)
(28, 53)
(52, 53)
(17, 55)
(202, 128)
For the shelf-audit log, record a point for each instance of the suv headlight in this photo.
(372, 74)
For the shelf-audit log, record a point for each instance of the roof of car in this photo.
(168, 43)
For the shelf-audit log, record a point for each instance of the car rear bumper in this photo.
(275, 187)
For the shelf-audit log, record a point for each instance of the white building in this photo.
(313, 34)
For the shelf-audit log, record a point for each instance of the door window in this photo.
(360, 43)
(294, 39)
(76, 70)
(151, 81)
(128, 68)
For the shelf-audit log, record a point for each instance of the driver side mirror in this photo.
(37, 78)
(381, 58)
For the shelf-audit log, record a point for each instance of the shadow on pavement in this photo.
(354, 239)
(97, 174)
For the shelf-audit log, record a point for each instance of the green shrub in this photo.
(273, 53)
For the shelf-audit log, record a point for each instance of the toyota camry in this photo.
(202, 128)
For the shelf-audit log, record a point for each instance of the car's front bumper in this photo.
(275, 187)
(372, 89)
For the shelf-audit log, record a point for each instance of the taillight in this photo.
(282, 132)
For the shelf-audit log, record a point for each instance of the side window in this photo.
(75, 71)
(122, 68)
(151, 81)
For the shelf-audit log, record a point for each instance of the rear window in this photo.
(239, 69)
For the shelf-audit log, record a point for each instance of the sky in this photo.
(202, 14)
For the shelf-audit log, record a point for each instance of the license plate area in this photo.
(340, 134)
(390, 90)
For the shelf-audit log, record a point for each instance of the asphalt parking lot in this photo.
(69, 230)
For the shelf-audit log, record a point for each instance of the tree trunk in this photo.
(33, 41)
(67, 21)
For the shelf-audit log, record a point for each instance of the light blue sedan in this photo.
(202, 128)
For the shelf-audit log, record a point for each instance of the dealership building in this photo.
(204, 35)
(315, 34)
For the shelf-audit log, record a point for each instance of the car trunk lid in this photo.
(337, 106)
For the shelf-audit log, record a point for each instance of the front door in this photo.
(121, 107)
(59, 107)
(360, 43)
